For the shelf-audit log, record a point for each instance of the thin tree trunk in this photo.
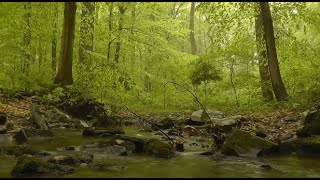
(191, 27)
(64, 75)
(27, 39)
(266, 85)
(110, 31)
(54, 40)
(122, 10)
(277, 84)
(86, 30)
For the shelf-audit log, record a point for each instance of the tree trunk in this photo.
(266, 85)
(277, 84)
(27, 39)
(86, 30)
(54, 40)
(64, 75)
(110, 31)
(122, 10)
(191, 27)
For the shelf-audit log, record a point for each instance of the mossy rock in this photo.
(138, 142)
(18, 150)
(165, 123)
(38, 133)
(243, 143)
(72, 159)
(28, 165)
(158, 148)
(302, 145)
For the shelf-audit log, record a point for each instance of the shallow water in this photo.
(180, 166)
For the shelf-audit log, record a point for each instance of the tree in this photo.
(122, 10)
(86, 30)
(266, 85)
(277, 84)
(191, 27)
(27, 39)
(64, 75)
(54, 40)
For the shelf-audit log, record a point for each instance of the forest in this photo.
(159, 89)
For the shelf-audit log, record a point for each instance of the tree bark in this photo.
(27, 39)
(110, 31)
(266, 85)
(277, 84)
(54, 40)
(64, 75)
(86, 30)
(191, 27)
(122, 10)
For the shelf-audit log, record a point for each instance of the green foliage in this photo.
(203, 71)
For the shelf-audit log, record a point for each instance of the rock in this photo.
(3, 129)
(3, 118)
(72, 159)
(207, 153)
(84, 124)
(108, 165)
(18, 150)
(286, 136)
(129, 141)
(173, 132)
(189, 131)
(99, 132)
(261, 134)
(98, 145)
(38, 133)
(199, 118)
(266, 166)
(243, 143)
(312, 122)
(106, 135)
(20, 137)
(31, 166)
(37, 118)
(158, 148)
(106, 122)
(116, 150)
(291, 118)
(226, 124)
(166, 123)
(5, 139)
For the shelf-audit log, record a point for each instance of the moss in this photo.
(18, 150)
(158, 148)
(28, 165)
(243, 142)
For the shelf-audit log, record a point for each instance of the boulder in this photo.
(166, 123)
(72, 159)
(6, 139)
(158, 148)
(28, 165)
(301, 145)
(3, 118)
(37, 118)
(243, 143)
(20, 137)
(130, 141)
(311, 123)
(199, 118)
(18, 150)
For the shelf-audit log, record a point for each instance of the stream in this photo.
(188, 165)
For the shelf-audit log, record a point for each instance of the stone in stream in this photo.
(243, 143)
(5, 139)
(20, 137)
(199, 118)
(261, 134)
(18, 150)
(28, 165)
(309, 145)
(72, 159)
(68, 148)
(38, 133)
(3, 118)
(158, 148)
(166, 123)
(37, 118)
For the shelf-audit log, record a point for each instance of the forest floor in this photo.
(276, 124)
